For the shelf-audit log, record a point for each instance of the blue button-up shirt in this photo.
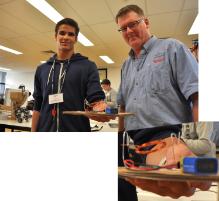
(157, 86)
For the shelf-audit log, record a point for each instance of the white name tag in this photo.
(56, 98)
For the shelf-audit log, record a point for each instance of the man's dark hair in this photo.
(123, 11)
(106, 81)
(70, 22)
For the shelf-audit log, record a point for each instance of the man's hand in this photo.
(203, 186)
(172, 189)
(100, 118)
(99, 106)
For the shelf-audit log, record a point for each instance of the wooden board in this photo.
(5, 107)
(97, 114)
(165, 174)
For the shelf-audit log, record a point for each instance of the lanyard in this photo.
(61, 78)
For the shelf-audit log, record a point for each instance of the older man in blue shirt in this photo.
(159, 84)
(159, 78)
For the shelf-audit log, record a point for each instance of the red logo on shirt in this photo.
(158, 59)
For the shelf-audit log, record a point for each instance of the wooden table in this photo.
(166, 174)
(14, 125)
(26, 126)
(97, 114)
(169, 175)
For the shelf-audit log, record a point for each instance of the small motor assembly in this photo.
(21, 114)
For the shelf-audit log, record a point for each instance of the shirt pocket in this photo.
(159, 81)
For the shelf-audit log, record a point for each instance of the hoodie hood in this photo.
(74, 57)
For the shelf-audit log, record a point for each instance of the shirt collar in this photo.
(145, 48)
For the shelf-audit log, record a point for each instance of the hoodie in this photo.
(80, 82)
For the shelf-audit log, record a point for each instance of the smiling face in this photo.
(65, 38)
(135, 30)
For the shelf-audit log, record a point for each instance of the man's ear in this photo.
(146, 21)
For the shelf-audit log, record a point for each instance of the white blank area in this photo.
(209, 67)
(70, 166)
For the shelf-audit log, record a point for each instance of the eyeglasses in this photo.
(130, 25)
(63, 33)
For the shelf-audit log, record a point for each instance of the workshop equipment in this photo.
(18, 98)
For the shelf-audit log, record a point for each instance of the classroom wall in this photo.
(114, 75)
(15, 79)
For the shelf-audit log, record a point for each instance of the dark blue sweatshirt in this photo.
(80, 82)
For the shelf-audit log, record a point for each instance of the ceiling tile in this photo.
(7, 33)
(28, 15)
(25, 29)
(115, 5)
(23, 44)
(191, 4)
(89, 32)
(107, 32)
(164, 6)
(185, 22)
(2, 2)
(163, 25)
(46, 41)
(92, 12)
(11, 21)
(66, 10)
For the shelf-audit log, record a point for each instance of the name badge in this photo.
(56, 98)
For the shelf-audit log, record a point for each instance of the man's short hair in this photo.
(67, 21)
(123, 11)
(106, 81)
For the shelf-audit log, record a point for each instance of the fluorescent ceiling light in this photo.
(42, 62)
(195, 27)
(83, 40)
(10, 50)
(2, 68)
(46, 9)
(55, 16)
(107, 59)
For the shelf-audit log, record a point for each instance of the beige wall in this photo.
(14, 79)
(114, 77)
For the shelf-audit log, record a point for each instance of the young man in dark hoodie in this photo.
(64, 82)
